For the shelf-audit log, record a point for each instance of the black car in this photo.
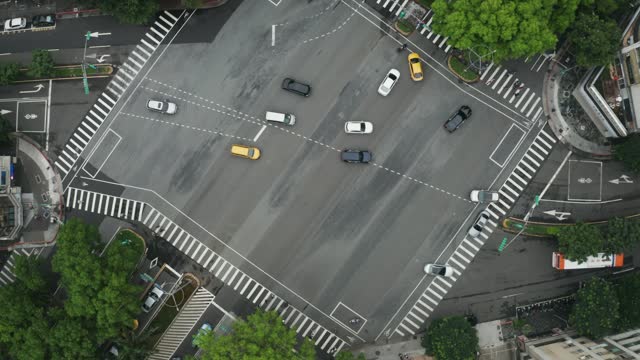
(356, 156)
(43, 20)
(296, 87)
(458, 118)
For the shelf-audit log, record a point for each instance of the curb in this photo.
(110, 66)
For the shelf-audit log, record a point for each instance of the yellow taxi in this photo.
(247, 152)
(415, 67)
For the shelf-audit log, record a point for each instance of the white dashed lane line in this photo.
(252, 119)
(330, 32)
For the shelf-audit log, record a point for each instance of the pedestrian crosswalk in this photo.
(228, 273)
(182, 325)
(6, 274)
(510, 191)
(65, 161)
(104, 204)
(244, 284)
(396, 7)
(512, 89)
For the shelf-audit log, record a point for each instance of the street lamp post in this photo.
(88, 37)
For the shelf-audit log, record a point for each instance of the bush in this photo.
(451, 338)
(404, 26)
(461, 69)
(41, 64)
(8, 73)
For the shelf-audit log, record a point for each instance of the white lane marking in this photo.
(273, 35)
(99, 46)
(259, 133)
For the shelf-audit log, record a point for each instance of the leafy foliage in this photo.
(80, 270)
(595, 313)
(136, 347)
(344, 355)
(72, 338)
(129, 11)
(507, 28)
(628, 151)
(41, 63)
(594, 41)
(621, 235)
(451, 338)
(262, 336)
(5, 130)
(628, 293)
(8, 73)
(580, 241)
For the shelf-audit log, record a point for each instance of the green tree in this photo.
(594, 41)
(262, 336)
(8, 73)
(578, 242)
(595, 312)
(506, 28)
(5, 131)
(72, 338)
(116, 305)
(628, 151)
(345, 355)
(628, 293)
(451, 338)
(29, 271)
(130, 11)
(79, 267)
(41, 64)
(622, 235)
(132, 346)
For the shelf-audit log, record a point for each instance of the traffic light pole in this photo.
(85, 82)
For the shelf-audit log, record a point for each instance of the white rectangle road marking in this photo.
(259, 133)
(484, 74)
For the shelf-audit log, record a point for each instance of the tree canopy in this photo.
(262, 336)
(506, 28)
(578, 242)
(628, 151)
(345, 355)
(628, 293)
(595, 313)
(451, 338)
(129, 11)
(594, 41)
(8, 73)
(41, 63)
(622, 235)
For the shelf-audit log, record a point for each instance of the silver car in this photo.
(165, 107)
(438, 270)
(479, 224)
(484, 196)
(154, 296)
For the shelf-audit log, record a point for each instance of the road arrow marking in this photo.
(558, 214)
(5, 112)
(38, 88)
(101, 59)
(624, 179)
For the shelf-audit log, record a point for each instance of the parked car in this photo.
(43, 21)
(165, 107)
(296, 87)
(484, 196)
(358, 127)
(247, 152)
(152, 298)
(389, 82)
(15, 23)
(356, 156)
(204, 330)
(457, 118)
(438, 270)
(479, 224)
(415, 67)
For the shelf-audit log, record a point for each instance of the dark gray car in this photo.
(458, 118)
(356, 156)
(296, 87)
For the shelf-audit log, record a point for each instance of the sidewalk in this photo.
(562, 128)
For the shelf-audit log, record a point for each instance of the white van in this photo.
(288, 119)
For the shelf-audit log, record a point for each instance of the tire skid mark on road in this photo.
(330, 32)
(256, 121)
(187, 126)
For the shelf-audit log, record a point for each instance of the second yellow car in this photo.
(415, 67)
(247, 152)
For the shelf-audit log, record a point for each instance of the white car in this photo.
(15, 24)
(479, 224)
(484, 196)
(154, 296)
(438, 270)
(165, 107)
(358, 127)
(389, 81)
